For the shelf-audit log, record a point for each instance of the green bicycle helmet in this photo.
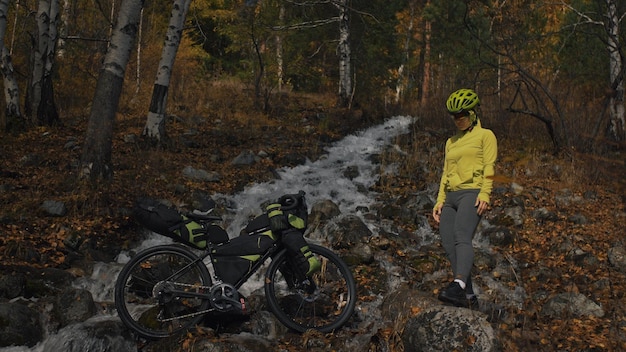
(462, 100)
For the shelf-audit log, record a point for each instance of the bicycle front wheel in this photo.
(324, 302)
(145, 291)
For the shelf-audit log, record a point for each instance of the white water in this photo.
(321, 179)
(324, 179)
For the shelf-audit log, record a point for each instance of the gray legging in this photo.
(459, 219)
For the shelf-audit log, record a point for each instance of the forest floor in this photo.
(41, 164)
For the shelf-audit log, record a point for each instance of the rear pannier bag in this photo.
(167, 221)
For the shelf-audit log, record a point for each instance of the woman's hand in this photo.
(437, 212)
(481, 206)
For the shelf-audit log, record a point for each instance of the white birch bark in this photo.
(96, 158)
(63, 30)
(345, 55)
(279, 50)
(138, 69)
(155, 124)
(43, 18)
(11, 91)
(426, 76)
(401, 83)
(616, 74)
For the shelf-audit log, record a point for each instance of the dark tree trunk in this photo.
(99, 137)
(47, 114)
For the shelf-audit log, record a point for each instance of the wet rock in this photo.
(44, 282)
(12, 285)
(73, 306)
(93, 335)
(323, 210)
(264, 324)
(348, 231)
(351, 172)
(19, 325)
(361, 253)
(444, 328)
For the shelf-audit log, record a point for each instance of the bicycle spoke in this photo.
(147, 302)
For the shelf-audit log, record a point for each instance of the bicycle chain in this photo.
(190, 315)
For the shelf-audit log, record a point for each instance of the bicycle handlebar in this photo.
(290, 201)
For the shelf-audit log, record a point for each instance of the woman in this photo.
(464, 192)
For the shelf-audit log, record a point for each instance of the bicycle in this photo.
(168, 289)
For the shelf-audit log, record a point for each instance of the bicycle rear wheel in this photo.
(143, 291)
(325, 303)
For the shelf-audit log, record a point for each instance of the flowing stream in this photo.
(321, 179)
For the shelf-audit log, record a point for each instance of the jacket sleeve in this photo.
(490, 153)
(441, 196)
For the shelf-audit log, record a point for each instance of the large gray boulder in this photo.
(445, 328)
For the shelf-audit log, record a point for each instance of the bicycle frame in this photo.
(271, 252)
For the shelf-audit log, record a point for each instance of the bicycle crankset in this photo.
(226, 298)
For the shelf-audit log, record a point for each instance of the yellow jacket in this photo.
(470, 158)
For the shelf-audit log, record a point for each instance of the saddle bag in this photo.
(167, 221)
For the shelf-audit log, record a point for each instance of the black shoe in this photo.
(454, 294)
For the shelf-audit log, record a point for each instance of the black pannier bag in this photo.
(167, 221)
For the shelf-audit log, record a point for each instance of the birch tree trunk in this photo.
(279, 50)
(401, 83)
(13, 116)
(344, 51)
(65, 22)
(4, 5)
(46, 110)
(155, 124)
(96, 158)
(34, 94)
(616, 73)
(138, 69)
(426, 78)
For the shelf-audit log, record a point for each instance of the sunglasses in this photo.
(459, 115)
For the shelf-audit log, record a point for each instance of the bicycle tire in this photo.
(326, 305)
(140, 306)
